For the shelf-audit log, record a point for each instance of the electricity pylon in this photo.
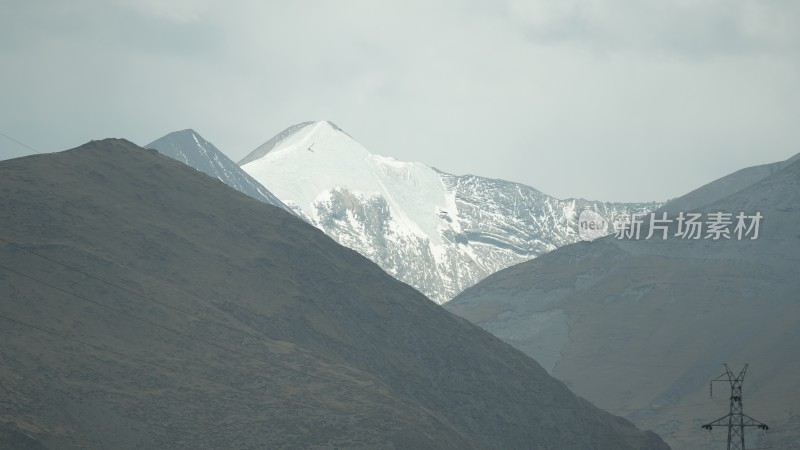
(736, 419)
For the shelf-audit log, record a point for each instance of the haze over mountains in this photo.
(438, 232)
(145, 305)
(639, 327)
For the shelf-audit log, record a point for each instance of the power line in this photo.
(20, 143)
(736, 420)
(633, 364)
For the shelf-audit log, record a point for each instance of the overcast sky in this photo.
(612, 100)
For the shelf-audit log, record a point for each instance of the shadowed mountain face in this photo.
(144, 305)
(191, 149)
(640, 327)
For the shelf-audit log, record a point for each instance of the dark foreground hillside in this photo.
(144, 305)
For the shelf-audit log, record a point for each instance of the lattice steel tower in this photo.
(736, 420)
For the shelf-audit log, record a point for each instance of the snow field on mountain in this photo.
(437, 232)
(328, 159)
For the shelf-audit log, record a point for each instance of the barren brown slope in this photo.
(145, 305)
(640, 327)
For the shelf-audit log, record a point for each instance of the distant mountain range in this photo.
(144, 305)
(639, 327)
(438, 232)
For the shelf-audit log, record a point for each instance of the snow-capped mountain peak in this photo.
(437, 232)
(318, 140)
(293, 137)
(308, 165)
